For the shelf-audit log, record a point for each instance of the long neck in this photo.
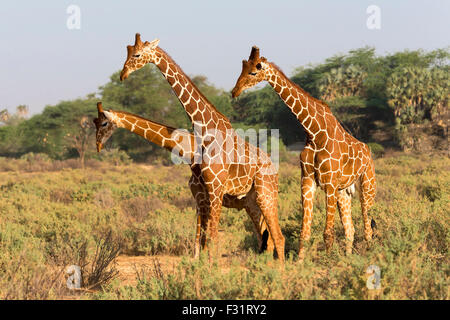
(198, 108)
(312, 113)
(179, 141)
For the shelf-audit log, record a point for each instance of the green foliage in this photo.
(264, 108)
(51, 220)
(115, 156)
(33, 157)
(416, 93)
(376, 149)
(342, 82)
(361, 88)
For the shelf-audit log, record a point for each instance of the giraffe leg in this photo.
(367, 196)
(266, 199)
(328, 234)
(265, 241)
(212, 223)
(197, 235)
(308, 191)
(198, 191)
(344, 200)
(267, 244)
(204, 230)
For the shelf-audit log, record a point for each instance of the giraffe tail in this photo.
(351, 190)
(373, 225)
(265, 238)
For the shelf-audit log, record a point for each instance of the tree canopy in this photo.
(360, 87)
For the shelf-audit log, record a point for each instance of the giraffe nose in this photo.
(235, 92)
(123, 75)
(99, 146)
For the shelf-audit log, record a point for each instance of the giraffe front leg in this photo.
(328, 234)
(212, 224)
(202, 210)
(201, 230)
(344, 200)
(308, 191)
(367, 196)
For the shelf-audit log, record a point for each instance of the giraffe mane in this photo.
(327, 107)
(202, 96)
(309, 96)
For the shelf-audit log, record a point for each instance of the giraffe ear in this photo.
(153, 44)
(108, 115)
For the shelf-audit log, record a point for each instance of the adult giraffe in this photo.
(182, 143)
(332, 158)
(228, 164)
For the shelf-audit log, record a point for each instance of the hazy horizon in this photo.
(45, 62)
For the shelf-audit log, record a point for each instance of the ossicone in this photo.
(254, 54)
(99, 107)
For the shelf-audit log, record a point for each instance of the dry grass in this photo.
(50, 220)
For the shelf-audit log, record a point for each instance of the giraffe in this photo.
(332, 158)
(182, 143)
(229, 164)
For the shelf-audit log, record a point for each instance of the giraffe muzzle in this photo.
(235, 92)
(123, 74)
(99, 146)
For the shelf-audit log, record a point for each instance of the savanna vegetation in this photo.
(86, 217)
(63, 204)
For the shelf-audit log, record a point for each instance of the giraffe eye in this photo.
(136, 55)
(104, 124)
(252, 73)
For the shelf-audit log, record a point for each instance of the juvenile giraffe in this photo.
(182, 143)
(229, 164)
(331, 159)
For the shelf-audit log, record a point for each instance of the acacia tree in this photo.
(82, 139)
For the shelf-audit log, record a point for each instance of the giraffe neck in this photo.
(198, 108)
(169, 138)
(308, 110)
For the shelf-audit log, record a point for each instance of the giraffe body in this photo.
(181, 143)
(229, 165)
(332, 158)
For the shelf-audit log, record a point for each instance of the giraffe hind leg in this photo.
(267, 202)
(265, 241)
(344, 201)
(367, 196)
(308, 192)
(265, 238)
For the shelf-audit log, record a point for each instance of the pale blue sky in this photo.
(42, 62)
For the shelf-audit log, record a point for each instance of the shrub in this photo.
(376, 149)
(116, 157)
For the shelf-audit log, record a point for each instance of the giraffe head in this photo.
(104, 126)
(253, 72)
(138, 56)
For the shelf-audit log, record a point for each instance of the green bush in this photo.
(376, 149)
